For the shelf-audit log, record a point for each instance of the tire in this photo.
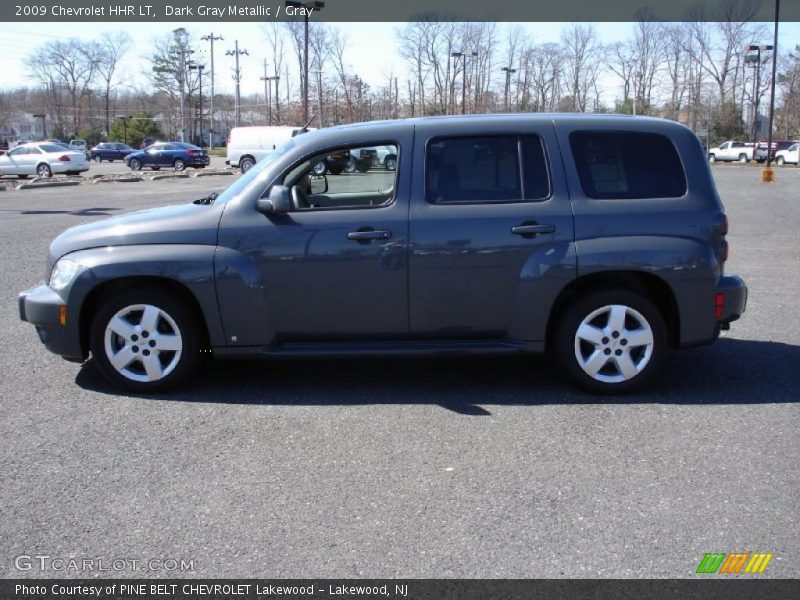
(390, 163)
(179, 164)
(44, 170)
(320, 168)
(590, 357)
(780, 161)
(743, 159)
(336, 170)
(246, 164)
(350, 165)
(155, 168)
(135, 164)
(126, 329)
(712, 158)
(362, 166)
(97, 159)
(22, 176)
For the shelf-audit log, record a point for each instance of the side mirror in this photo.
(277, 203)
(317, 184)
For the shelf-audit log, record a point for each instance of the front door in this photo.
(492, 235)
(335, 267)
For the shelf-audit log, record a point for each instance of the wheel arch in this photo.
(652, 286)
(105, 289)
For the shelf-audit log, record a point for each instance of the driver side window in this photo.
(346, 177)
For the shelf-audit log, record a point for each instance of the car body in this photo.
(43, 159)
(790, 155)
(248, 145)
(732, 150)
(110, 151)
(600, 238)
(175, 155)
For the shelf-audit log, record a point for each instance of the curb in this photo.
(35, 185)
(106, 179)
(168, 176)
(210, 173)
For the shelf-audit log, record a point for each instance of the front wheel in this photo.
(612, 342)
(712, 158)
(246, 164)
(97, 159)
(320, 168)
(145, 340)
(390, 163)
(135, 164)
(780, 161)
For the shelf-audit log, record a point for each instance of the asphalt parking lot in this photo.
(407, 467)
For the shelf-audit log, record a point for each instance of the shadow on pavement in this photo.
(731, 371)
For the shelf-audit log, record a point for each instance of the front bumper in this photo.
(734, 298)
(41, 306)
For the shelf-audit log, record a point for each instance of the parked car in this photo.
(177, 155)
(334, 163)
(777, 146)
(248, 145)
(43, 159)
(110, 151)
(788, 155)
(732, 150)
(600, 239)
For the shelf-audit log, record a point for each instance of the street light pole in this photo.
(181, 37)
(509, 71)
(237, 77)
(315, 5)
(210, 38)
(267, 93)
(774, 75)
(199, 69)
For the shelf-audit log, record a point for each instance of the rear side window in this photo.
(485, 169)
(627, 165)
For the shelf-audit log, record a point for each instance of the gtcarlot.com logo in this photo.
(733, 563)
(44, 562)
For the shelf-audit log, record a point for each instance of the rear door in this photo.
(490, 228)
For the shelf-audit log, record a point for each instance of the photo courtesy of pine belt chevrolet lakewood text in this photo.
(598, 238)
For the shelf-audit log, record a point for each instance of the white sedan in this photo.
(790, 155)
(44, 159)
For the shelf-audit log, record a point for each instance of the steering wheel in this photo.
(299, 198)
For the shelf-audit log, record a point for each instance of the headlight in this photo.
(63, 273)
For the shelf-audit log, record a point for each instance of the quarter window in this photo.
(485, 169)
(627, 165)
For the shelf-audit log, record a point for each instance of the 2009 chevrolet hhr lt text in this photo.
(598, 238)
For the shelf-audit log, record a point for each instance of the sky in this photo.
(373, 49)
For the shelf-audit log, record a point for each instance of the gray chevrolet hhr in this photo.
(598, 238)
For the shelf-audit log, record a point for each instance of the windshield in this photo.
(253, 173)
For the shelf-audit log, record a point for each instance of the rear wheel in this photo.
(612, 342)
(743, 158)
(44, 170)
(179, 165)
(145, 340)
(246, 164)
(390, 163)
(362, 165)
(320, 168)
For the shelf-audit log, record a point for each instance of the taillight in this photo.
(719, 304)
(190, 153)
(64, 158)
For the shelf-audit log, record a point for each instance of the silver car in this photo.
(43, 159)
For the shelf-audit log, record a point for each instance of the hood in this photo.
(177, 224)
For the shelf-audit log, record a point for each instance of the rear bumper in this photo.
(40, 306)
(734, 298)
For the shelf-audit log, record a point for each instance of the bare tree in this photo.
(110, 51)
(583, 55)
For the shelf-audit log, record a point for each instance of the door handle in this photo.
(532, 229)
(369, 235)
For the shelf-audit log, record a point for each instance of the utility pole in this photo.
(237, 77)
(319, 97)
(267, 93)
(199, 68)
(509, 71)
(210, 38)
(770, 153)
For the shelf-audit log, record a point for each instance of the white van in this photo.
(248, 145)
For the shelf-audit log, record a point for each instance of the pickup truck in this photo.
(732, 150)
